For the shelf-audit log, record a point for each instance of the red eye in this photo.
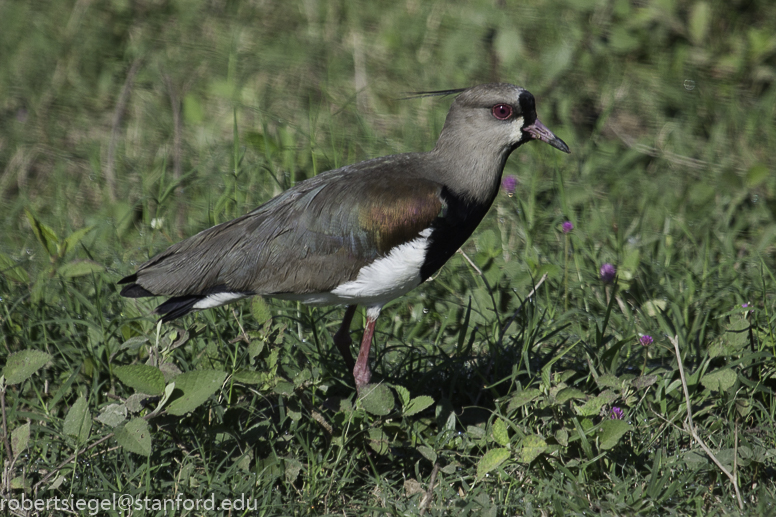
(502, 111)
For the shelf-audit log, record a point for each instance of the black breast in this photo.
(449, 231)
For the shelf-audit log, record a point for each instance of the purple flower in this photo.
(744, 305)
(608, 272)
(567, 227)
(509, 183)
(616, 413)
(646, 340)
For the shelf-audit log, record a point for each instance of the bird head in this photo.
(495, 118)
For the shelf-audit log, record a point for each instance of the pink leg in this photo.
(361, 372)
(342, 338)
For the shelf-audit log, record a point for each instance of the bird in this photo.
(363, 234)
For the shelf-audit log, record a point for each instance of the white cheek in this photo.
(517, 129)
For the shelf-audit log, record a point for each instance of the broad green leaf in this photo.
(197, 386)
(136, 403)
(737, 331)
(696, 457)
(269, 467)
(20, 437)
(735, 338)
(168, 391)
(654, 307)
(562, 436)
(609, 380)
(719, 380)
(170, 371)
(260, 310)
(244, 463)
(404, 395)
(491, 460)
(78, 421)
(58, 480)
(292, 469)
(141, 378)
(726, 456)
(72, 240)
(248, 376)
(568, 394)
(123, 216)
(21, 365)
(644, 381)
(255, 347)
(451, 468)
(377, 399)
(428, 453)
(546, 373)
(551, 270)
(522, 398)
(135, 437)
(272, 360)
(488, 242)
(564, 376)
(612, 431)
(79, 268)
(743, 406)
(13, 270)
(630, 263)
(757, 175)
(345, 406)
(112, 415)
(418, 404)
(44, 234)
(293, 409)
(593, 406)
(284, 388)
(133, 343)
(500, 432)
(533, 445)
(378, 440)
(476, 432)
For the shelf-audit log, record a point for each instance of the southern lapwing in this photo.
(363, 234)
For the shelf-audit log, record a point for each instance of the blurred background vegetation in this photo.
(128, 125)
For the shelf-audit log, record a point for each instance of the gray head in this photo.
(484, 125)
(497, 116)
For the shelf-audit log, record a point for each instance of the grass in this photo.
(128, 126)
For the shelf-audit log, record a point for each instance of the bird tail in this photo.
(178, 306)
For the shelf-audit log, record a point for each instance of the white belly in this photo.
(378, 283)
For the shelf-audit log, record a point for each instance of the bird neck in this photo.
(471, 170)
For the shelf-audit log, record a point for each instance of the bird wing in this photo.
(310, 239)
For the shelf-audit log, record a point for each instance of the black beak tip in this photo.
(559, 144)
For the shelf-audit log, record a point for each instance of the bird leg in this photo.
(361, 372)
(342, 338)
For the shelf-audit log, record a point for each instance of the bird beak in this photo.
(539, 131)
